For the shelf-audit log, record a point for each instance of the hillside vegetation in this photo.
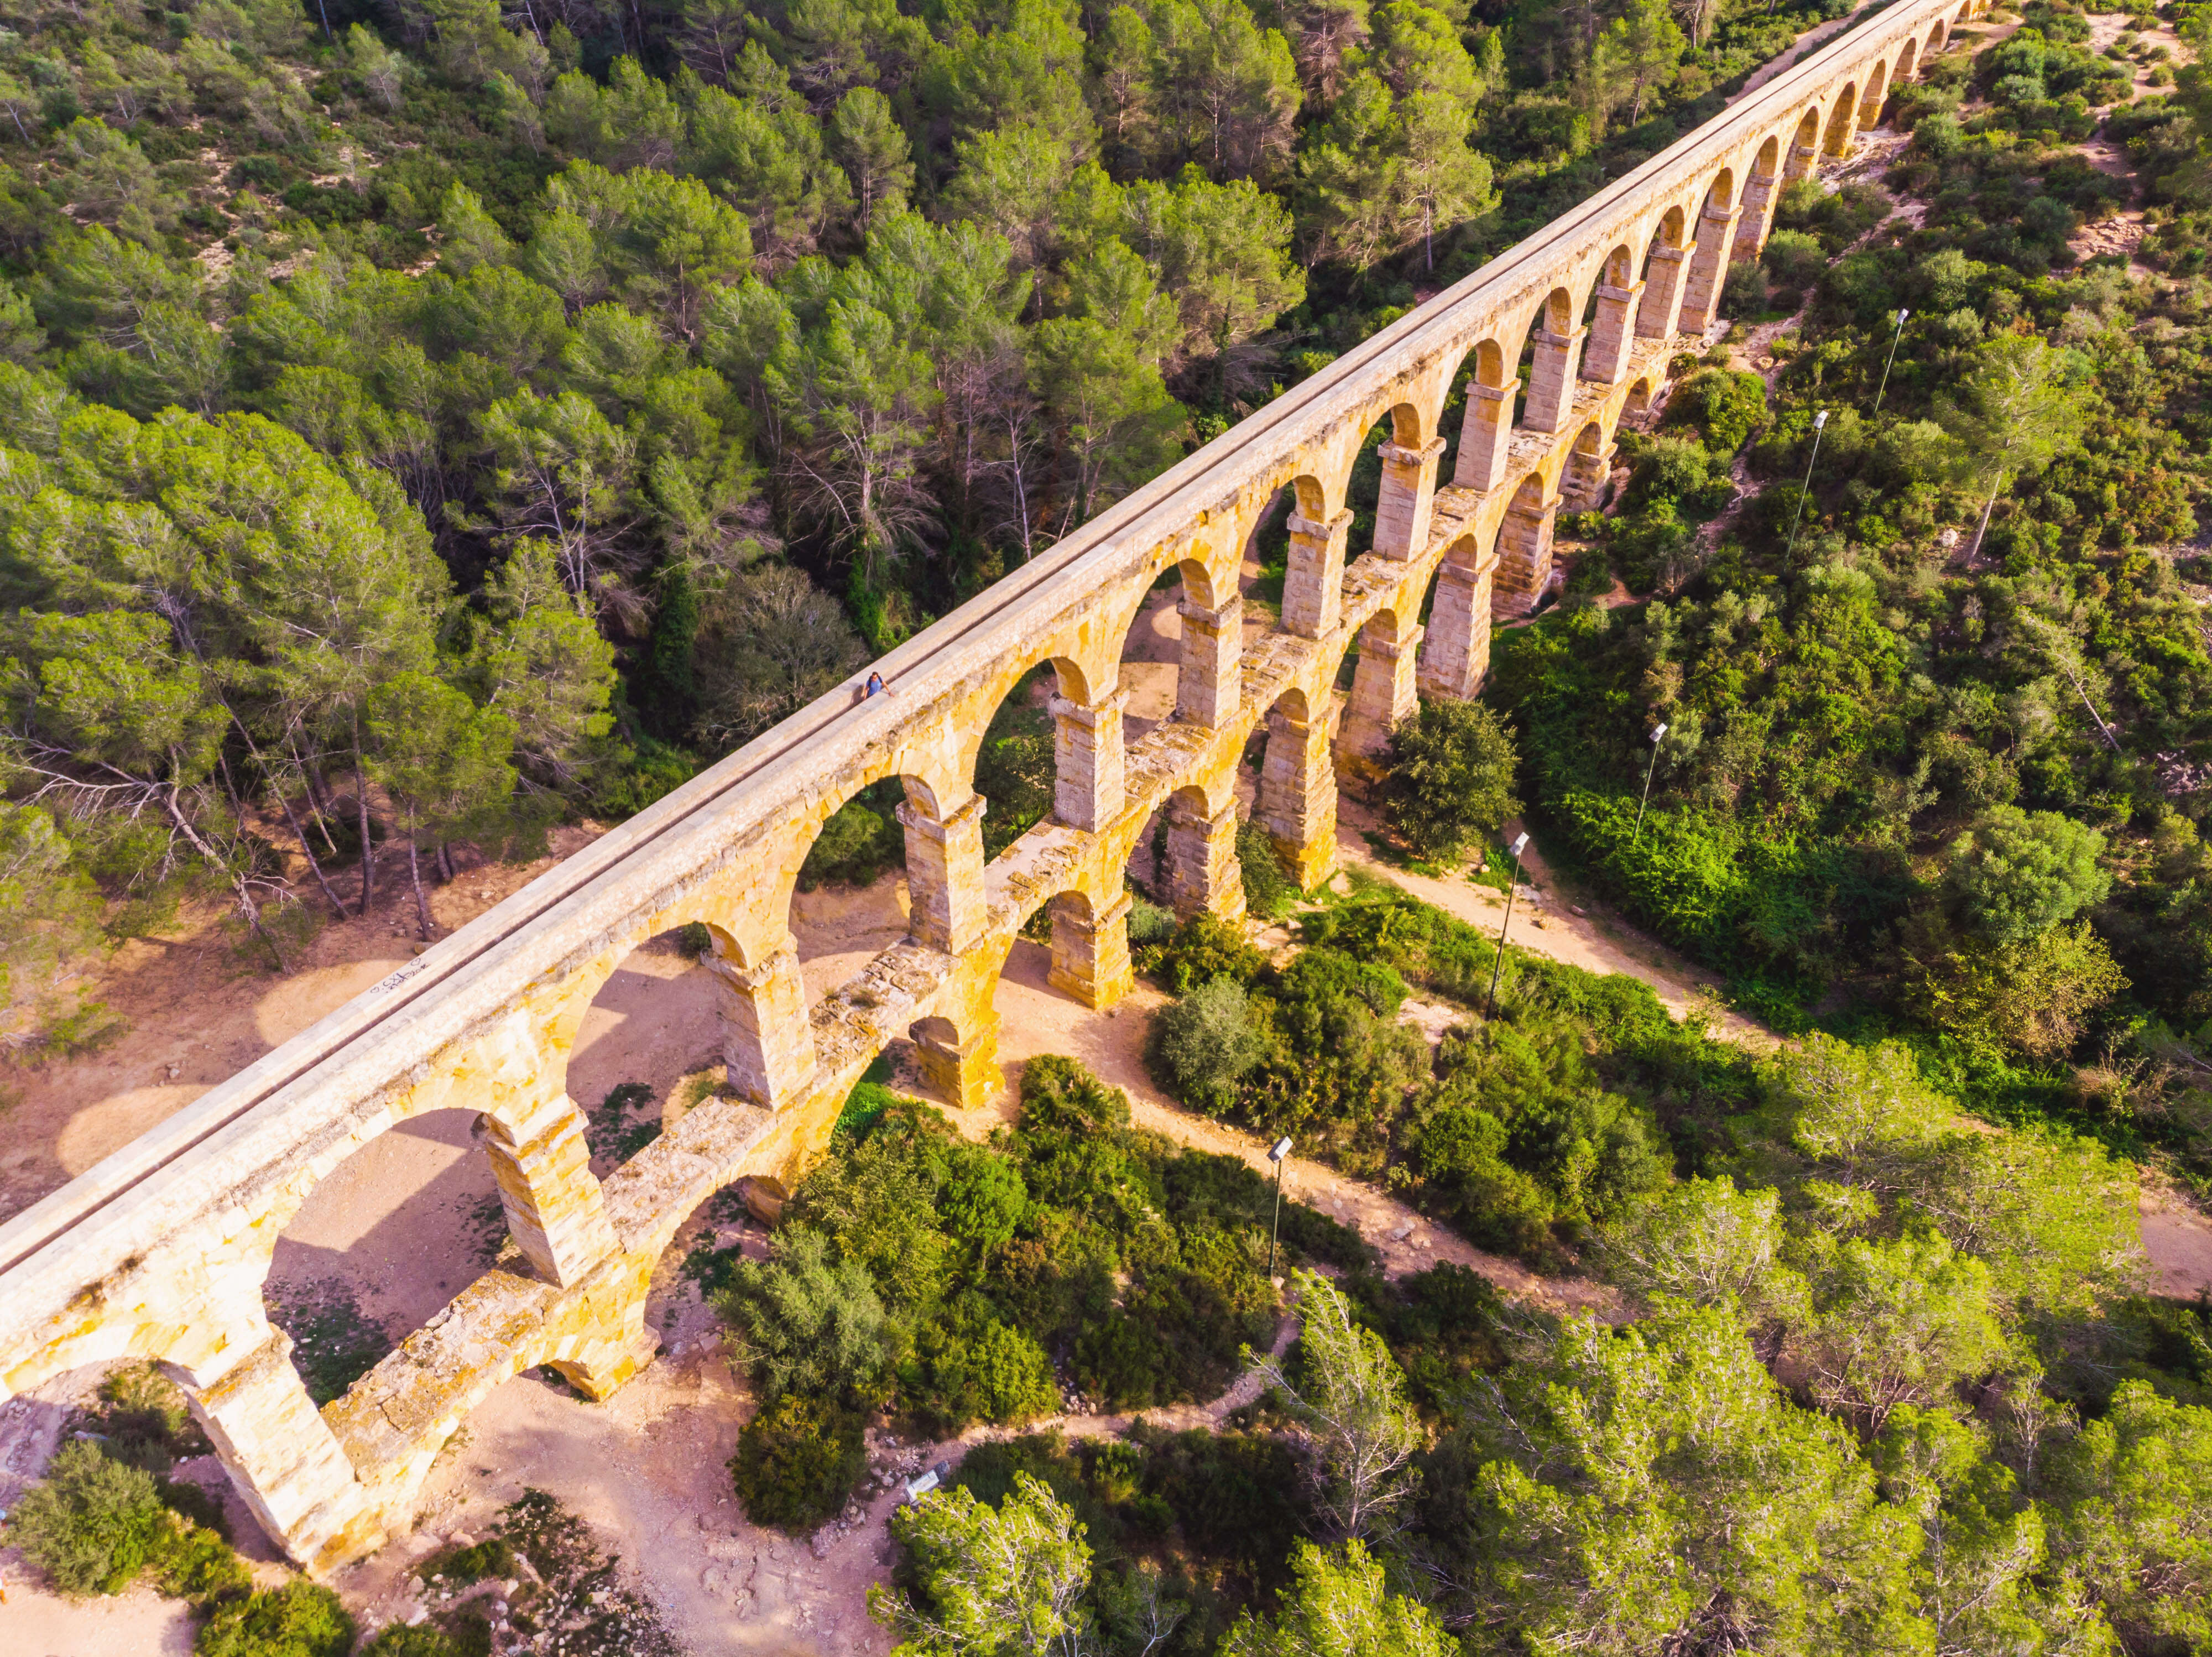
(425, 419)
(424, 423)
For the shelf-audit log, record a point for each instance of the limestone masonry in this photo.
(160, 1251)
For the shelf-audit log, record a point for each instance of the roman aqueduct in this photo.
(161, 1251)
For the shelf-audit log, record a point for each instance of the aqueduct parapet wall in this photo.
(160, 1251)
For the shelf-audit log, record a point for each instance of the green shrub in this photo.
(864, 1106)
(1208, 946)
(493, 1556)
(1727, 405)
(93, 1524)
(983, 1201)
(1677, 467)
(804, 1322)
(2015, 875)
(1268, 892)
(1203, 1044)
(1236, 1497)
(996, 1375)
(1794, 258)
(797, 1462)
(989, 1470)
(1744, 293)
(1149, 924)
(300, 1619)
(196, 1564)
(400, 1640)
(1448, 777)
(1062, 1093)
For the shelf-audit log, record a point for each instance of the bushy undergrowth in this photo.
(948, 1283)
(1861, 679)
(1508, 1130)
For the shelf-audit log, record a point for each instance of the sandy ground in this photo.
(139, 1624)
(2177, 1237)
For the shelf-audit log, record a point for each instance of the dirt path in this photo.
(1036, 1019)
(139, 1624)
(1559, 924)
(2122, 233)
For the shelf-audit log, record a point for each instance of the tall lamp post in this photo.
(1901, 314)
(1820, 420)
(1652, 767)
(1514, 852)
(1280, 1154)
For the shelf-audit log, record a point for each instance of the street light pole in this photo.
(1651, 767)
(1901, 314)
(1278, 1155)
(1820, 420)
(1514, 852)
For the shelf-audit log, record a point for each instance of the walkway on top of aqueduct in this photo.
(162, 1250)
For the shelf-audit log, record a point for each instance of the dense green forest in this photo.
(648, 366)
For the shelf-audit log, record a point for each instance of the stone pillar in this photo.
(1484, 439)
(1662, 294)
(1297, 795)
(1086, 751)
(1382, 691)
(945, 875)
(1582, 489)
(554, 1210)
(1612, 336)
(1459, 631)
(1211, 683)
(1313, 585)
(1803, 158)
(1759, 198)
(1701, 295)
(283, 1457)
(963, 1070)
(1202, 869)
(599, 1359)
(768, 1044)
(1090, 952)
(1524, 556)
(1408, 492)
(1552, 379)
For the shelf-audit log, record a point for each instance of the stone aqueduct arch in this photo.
(162, 1250)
